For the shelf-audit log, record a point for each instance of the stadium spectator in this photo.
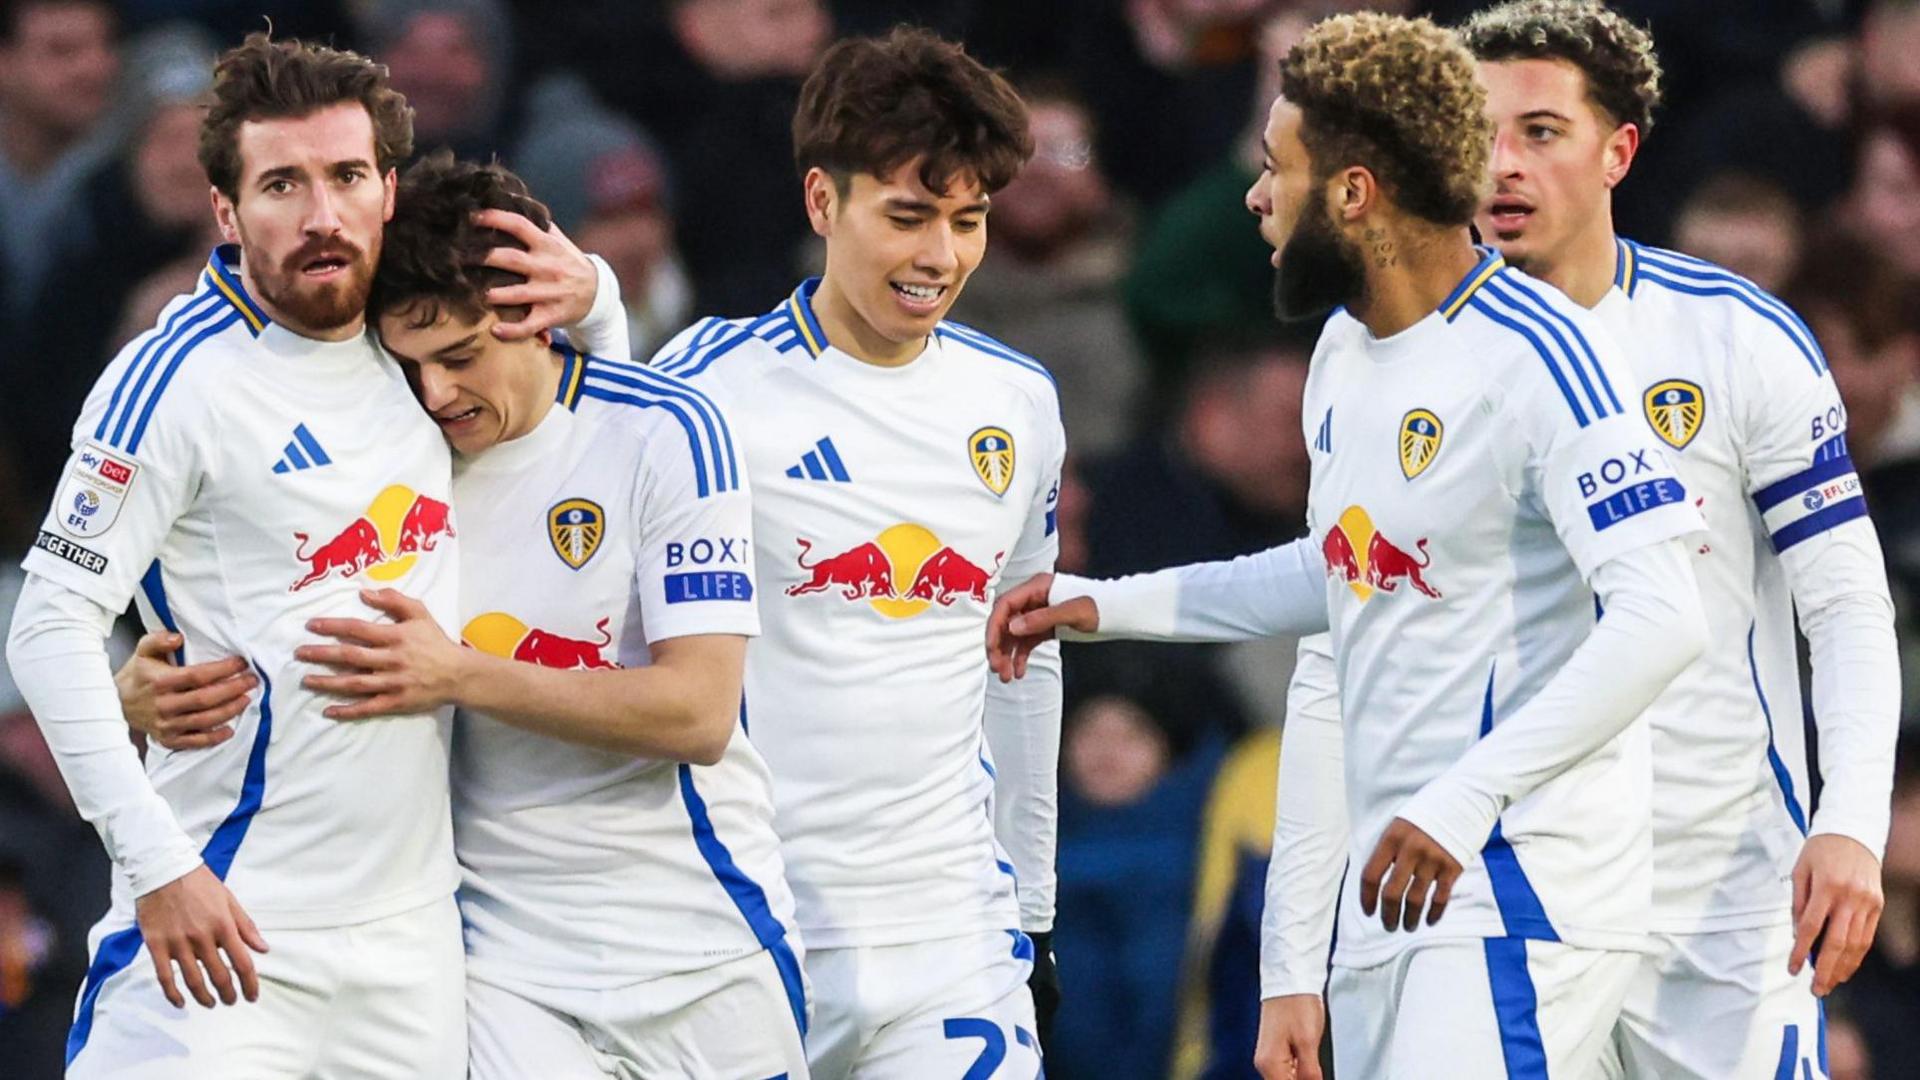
(1884, 996)
(607, 185)
(1230, 469)
(1884, 206)
(1747, 225)
(1219, 1020)
(453, 59)
(1134, 781)
(58, 63)
(1051, 278)
(1199, 270)
(147, 208)
(1888, 81)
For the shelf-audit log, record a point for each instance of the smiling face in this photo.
(1556, 159)
(898, 254)
(307, 212)
(481, 391)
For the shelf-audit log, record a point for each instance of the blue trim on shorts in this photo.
(119, 949)
(1789, 1052)
(1516, 1009)
(747, 896)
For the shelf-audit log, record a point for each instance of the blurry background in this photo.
(658, 132)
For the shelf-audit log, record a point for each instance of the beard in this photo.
(1319, 270)
(305, 306)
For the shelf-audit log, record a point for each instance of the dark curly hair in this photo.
(1616, 56)
(264, 79)
(434, 258)
(1399, 96)
(874, 104)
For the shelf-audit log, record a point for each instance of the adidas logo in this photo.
(302, 453)
(1323, 441)
(821, 463)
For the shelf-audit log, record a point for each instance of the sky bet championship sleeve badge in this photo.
(1420, 433)
(991, 450)
(575, 526)
(1675, 408)
(96, 487)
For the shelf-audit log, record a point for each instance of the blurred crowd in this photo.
(657, 130)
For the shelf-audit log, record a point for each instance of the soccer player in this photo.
(622, 891)
(1478, 484)
(243, 467)
(903, 466)
(1748, 876)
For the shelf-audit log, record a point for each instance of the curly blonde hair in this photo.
(1400, 97)
(1616, 56)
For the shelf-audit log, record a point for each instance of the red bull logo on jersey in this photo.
(397, 528)
(499, 634)
(901, 573)
(1367, 561)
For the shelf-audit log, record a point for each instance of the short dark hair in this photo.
(875, 104)
(1616, 56)
(1399, 97)
(263, 79)
(433, 261)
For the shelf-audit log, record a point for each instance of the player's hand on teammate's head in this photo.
(182, 708)
(193, 921)
(1406, 864)
(1837, 900)
(396, 668)
(1022, 620)
(561, 280)
(1290, 1030)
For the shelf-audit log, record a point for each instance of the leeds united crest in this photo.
(1420, 432)
(1676, 408)
(991, 451)
(575, 526)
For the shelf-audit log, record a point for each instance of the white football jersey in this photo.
(238, 480)
(1737, 390)
(888, 504)
(1469, 475)
(620, 521)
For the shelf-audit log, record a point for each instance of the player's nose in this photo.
(937, 251)
(437, 387)
(323, 214)
(1256, 198)
(1504, 162)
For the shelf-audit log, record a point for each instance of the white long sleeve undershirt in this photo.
(1022, 722)
(1653, 628)
(1839, 585)
(57, 650)
(1281, 590)
(1310, 832)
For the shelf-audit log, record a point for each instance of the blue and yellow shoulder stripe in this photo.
(962, 334)
(1516, 303)
(220, 302)
(716, 465)
(1685, 275)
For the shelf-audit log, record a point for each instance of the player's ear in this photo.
(823, 200)
(224, 215)
(1354, 191)
(1618, 154)
(391, 182)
